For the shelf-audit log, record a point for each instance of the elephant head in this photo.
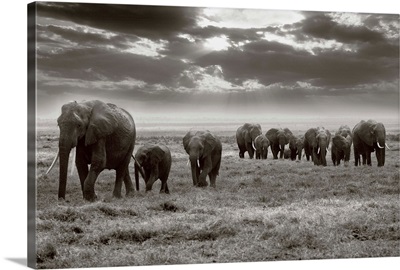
(372, 133)
(153, 162)
(278, 139)
(323, 138)
(344, 130)
(201, 147)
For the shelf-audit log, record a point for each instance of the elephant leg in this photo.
(250, 150)
(128, 183)
(205, 165)
(83, 170)
(213, 174)
(164, 187)
(119, 178)
(275, 150)
(88, 186)
(368, 158)
(241, 151)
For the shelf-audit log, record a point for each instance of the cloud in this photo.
(153, 22)
(232, 57)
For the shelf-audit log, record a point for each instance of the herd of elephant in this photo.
(104, 137)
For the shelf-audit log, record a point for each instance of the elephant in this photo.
(204, 149)
(154, 162)
(278, 138)
(261, 144)
(316, 143)
(341, 147)
(104, 136)
(245, 136)
(296, 145)
(369, 136)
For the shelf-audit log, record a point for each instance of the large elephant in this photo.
(316, 143)
(278, 138)
(369, 136)
(245, 136)
(296, 145)
(204, 149)
(261, 144)
(154, 162)
(104, 136)
(341, 145)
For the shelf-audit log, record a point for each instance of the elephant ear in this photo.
(157, 154)
(271, 134)
(209, 143)
(186, 139)
(102, 123)
(246, 136)
(366, 132)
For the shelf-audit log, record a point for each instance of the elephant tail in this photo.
(138, 169)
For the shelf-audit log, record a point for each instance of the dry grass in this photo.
(261, 210)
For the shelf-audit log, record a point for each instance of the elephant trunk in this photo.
(322, 155)
(194, 163)
(282, 150)
(64, 157)
(299, 151)
(151, 180)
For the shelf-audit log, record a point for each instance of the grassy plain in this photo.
(261, 210)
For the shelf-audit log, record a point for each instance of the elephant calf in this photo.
(261, 144)
(153, 162)
(341, 147)
(296, 145)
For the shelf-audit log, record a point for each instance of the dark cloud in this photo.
(111, 65)
(295, 65)
(154, 22)
(321, 25)
(78, 35)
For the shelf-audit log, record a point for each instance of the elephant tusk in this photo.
(252, 144)
(198, 163)
(54, 161)
(73, 162)
(188, 163)
(380, 145)
(387, 146)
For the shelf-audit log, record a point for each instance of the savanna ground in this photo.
(261, 210)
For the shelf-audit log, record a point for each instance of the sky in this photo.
(191, 63)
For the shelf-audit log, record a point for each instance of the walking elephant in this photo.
(369, 136)
(154, 162)
(261, 144)
(245, 136)
(278, 138)
(104, 136)
(204, 149)
(316, 143)
(341, 145)
(296, 145)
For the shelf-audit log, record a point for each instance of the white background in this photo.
(13, 127)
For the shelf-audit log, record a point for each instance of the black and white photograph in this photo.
(170, 135)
